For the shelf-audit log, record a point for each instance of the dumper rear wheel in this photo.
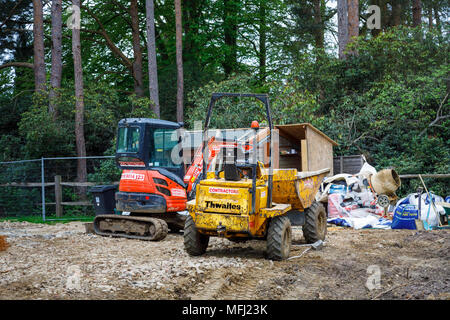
(279, 236)
(315, 227)
(195, 243)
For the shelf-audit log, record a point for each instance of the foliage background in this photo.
(379, 103)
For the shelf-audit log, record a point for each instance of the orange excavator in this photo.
(156, 183)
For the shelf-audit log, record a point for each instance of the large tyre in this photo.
(195, 243)
(279, 236)
(315, 227)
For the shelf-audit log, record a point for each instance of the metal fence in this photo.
(47, 187)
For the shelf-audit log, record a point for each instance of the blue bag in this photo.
(339, 222)
(338, 188)
(435, 198)
(404, 216)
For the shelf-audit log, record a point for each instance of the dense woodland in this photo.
(379, 87)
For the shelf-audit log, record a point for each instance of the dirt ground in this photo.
(63, 262)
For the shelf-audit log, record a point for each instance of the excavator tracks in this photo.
(132, 227)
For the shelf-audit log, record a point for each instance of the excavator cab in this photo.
(149, 143)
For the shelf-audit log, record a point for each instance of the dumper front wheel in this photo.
(195, 243)
(315, 227)
(279, 236)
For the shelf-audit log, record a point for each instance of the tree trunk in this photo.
(417, 12)
(38, 33)
(318, 31)
(79, 103)
(151, 48)
(230, 36)
(262, 41)
(179, 58)
(353, 21)
(430, 16)
(437, 18)
(137, 63)
(342, 12)
(56, 71)
(397, 14)
(192, 18)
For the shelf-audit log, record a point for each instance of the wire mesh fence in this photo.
(48, 187)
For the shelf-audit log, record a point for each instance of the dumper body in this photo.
(223, 208)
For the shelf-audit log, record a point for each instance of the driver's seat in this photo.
(231, 172)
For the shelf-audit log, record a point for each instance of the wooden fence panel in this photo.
(347, 164)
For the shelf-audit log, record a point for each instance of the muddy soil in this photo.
(63, 262)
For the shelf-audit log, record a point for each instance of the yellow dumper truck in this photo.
(242, 199)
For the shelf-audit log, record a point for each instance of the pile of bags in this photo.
(407, 211)
(352, 199)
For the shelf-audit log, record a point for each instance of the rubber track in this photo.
(195, 243)
(275, 237)
(310, 228)
(160, 225)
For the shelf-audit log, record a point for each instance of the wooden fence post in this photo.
(58, 196)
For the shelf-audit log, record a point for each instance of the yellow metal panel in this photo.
(284, 190)
(244, 183)
(223, 199)
(277, 210)
(252, 225)
(307, 189)
(232, 223)
(261, 198)
(257, 225)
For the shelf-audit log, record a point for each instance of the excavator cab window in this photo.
(128, 139)
(162, 144)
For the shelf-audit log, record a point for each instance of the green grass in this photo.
(48, 219)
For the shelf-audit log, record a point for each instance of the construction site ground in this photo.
(62, 261)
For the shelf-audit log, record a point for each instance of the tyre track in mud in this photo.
(208, 288)
(232, 284)
(239, 286)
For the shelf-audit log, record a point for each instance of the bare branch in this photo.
(17, 64)
(439, 116)
(125, 61)
(251, 42)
